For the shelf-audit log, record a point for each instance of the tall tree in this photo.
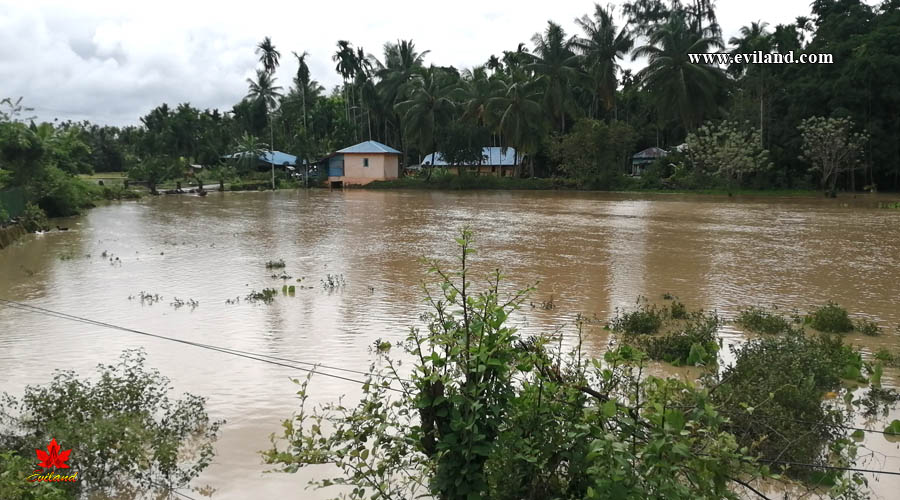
(602, 46)
(557, 66)
(429, 105)
(268, 55)
(753, 38)
(520, 115)
(302, 79)
(682, 89)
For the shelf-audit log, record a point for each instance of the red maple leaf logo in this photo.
(53, 457)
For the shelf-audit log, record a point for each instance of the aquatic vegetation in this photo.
(236, 300)
(333, 282)
(288, 290)
(546, 305)
(147, 298)
(758, 320)
(830, 318)
(267, 295)
(66, 256)
(178, 303)
(890, 205)
(668, 296)
(677, 310)
(868, 328)
(275, 264)
(283, 276)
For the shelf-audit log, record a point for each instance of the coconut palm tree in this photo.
(249, 149)
(519, 114)
(602, 47)
(401, 62)
(494, 64)
(557, 66)
(682, 89)
(265, 90)
(268, 55)
(429, 105)
(302, 79)
(753, 38)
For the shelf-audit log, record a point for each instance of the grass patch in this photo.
(830, 318)
(759, 320)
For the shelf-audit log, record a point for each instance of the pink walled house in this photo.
(363, 163)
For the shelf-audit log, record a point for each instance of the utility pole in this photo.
(272, 150)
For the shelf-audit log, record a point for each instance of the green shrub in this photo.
(776, 387)
(275, 264)
(759, 320)
(694, 343)
(830, 318)
(123, 429)
(647, 319)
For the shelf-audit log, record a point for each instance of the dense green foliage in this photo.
(563, 101)
(830, 318)
(487, 413)
(125, 433)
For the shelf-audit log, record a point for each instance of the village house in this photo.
(500, 162)
(643, 158)
(363, 163)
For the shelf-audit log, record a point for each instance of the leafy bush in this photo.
(775, 388)
(33, 218)
(694, 343)
(124, 432)
(830, 318)
(759, 320)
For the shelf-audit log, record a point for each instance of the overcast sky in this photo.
(113, 61)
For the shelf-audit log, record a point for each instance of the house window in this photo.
(365, 162)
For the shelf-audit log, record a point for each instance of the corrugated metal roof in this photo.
(492, 156)
(370, 147)
(266, 157)
(653, 152)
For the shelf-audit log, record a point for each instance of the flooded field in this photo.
(591, 253)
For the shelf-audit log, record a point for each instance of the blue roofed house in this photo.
(363, 163)
(265, 159)
(498, 161)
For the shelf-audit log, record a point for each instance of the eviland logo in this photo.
(53, 459)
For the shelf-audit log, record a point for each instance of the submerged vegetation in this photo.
(758, 320)
(830, 318)
(489, 413)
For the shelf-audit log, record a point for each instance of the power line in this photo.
(244, 354)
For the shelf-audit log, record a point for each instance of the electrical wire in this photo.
(235, 352)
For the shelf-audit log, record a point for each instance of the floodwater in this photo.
(591, 253)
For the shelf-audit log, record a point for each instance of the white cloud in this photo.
(112, 61)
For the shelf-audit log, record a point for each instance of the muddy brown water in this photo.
(591, 252)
